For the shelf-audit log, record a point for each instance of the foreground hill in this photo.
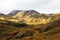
(21, 31)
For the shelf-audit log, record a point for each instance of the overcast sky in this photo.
(42, 6)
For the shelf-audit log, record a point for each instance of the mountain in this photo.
(30, 12)
(20, 13)
(27, 16)
(14, 12)
(1, 14)
(27, 12)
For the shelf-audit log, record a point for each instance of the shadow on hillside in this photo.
(35, 32)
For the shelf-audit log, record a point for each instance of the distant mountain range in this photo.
(31, 13)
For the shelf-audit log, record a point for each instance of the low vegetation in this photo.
(10, 30)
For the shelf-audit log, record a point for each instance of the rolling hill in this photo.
(21, 31)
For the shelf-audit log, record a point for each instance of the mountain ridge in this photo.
(29, 17)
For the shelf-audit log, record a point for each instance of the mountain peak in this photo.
(30, 12)
(26, 12)
(14, 12)
(1, 14)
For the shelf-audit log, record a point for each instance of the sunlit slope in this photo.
(31, 17)
(18, 31)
